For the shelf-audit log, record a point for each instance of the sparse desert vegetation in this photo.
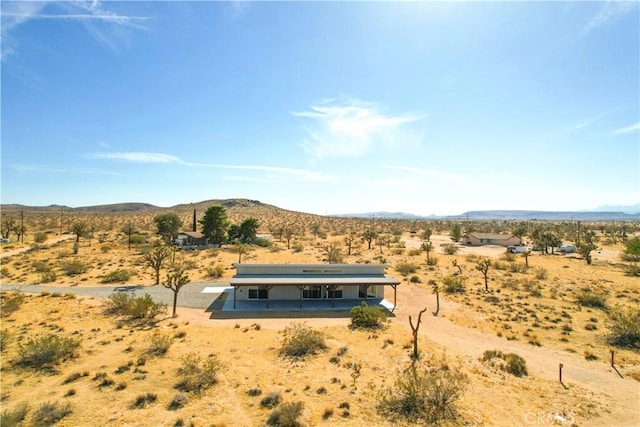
(123, 359)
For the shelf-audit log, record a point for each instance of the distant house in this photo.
(481, 239)
(310, 282)
(190, 238)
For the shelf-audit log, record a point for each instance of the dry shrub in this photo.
(424, 395)
(589, 298)
(49, 413)
(160, 344)
(178, 401)
(301, 340)
(513, 363)
(286, 415)
(624, 326)
(128, 305)
(11, 302)
(15, 417)
(44, 351)
(271, 400)
(117, 276)
(364, 316)
(196, 376)
(143, 399)
(453, 284)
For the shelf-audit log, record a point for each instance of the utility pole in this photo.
(22, 226)
(61, 209)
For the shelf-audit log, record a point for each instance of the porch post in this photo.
(235, 287)
(268, 288)
(395, 290)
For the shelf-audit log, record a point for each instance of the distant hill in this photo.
(550, 215)
(114, 208)
(385, 215)
(629, 209)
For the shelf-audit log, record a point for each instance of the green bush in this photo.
(160, 344)
(513, 363)
(299, 340)
(11, 302)
(15, 417)
(424, 395)
(195, 375)
(117, 276)
(74, 267)
(45, 351)
(589, 298)
(286, 415)
(406, 268)
(364, 316)
(453, 284)
(49, 413)
(48, 276)
(432, 261)
(128, 305)
(624, 326)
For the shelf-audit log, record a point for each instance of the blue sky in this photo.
(322, 107)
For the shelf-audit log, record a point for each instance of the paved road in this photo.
(190, 296)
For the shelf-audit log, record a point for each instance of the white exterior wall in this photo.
(293, 293)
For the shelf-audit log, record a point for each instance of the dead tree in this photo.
(415, 333)
(436, 290)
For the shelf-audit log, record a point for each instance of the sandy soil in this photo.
(531, 313)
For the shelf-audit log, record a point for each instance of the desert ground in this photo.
(533, 312)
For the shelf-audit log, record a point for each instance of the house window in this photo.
(256, 292)
(368, 292)
(336, 293)
(312, 292)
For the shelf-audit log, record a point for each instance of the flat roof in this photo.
(309, 280)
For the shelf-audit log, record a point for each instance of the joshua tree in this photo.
(456, 232)
(426, 234)
(455, 264)
(586, 245)
(349, 240)
(334, 255)
(176, 279)
(240, 249)
(288, 233)
(436, 290)
(155, 257)
(79, 229)
(368, 236)
(416, 354)
(427, 247)
(526, 254)
(483, 266)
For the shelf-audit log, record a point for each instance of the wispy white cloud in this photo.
(350, 128)
(431, 174)
(58, 169)
(146, 157)
(97, 20)
(609, 12)
(628, 129)
(138, 157)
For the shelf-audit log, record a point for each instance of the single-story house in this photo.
(310, 282)
(190, 238)
(481, 239)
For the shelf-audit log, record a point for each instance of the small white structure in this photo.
(310, 282)
(481, 239)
